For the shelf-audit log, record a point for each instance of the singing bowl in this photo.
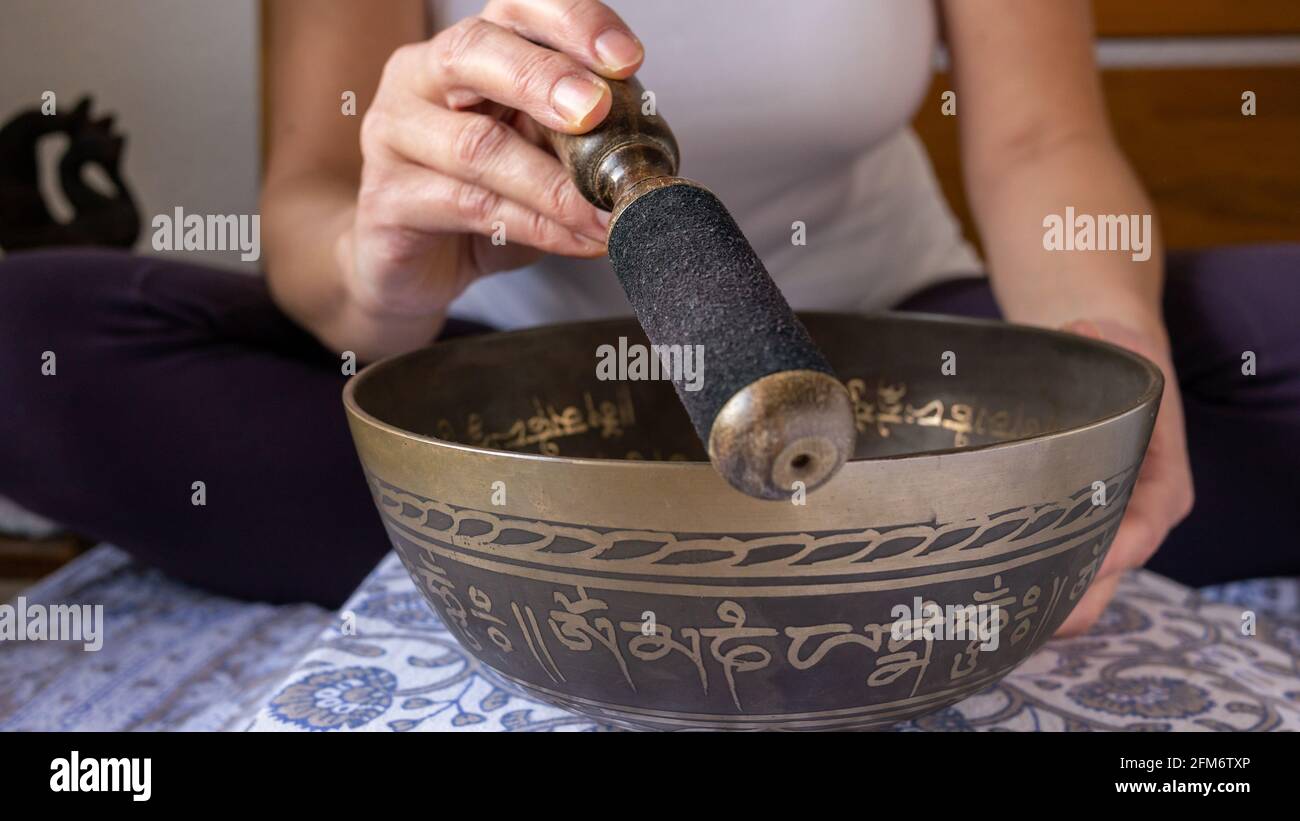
(572, 534)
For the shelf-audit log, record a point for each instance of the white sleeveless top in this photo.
(788, 112)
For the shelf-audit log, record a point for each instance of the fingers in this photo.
(1136, 541)
(1164, 494)
(1138, 538)
(1161, 498)
(446, 186)
(586, 30)
(1147, 520)
(478, 60)
(410, 207)
(1090, 607)
(485, 152)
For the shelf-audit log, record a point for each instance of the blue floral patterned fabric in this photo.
(173, 658)
(388, 663)
(1162, 658)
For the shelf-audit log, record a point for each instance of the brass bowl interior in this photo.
(536, 391)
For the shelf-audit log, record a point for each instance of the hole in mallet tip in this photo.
(809, 460)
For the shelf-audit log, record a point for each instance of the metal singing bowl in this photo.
(573, 535)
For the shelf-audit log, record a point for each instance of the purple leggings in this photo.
(169, 374)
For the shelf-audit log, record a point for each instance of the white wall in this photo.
(181, 76)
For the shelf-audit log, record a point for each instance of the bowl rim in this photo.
(1152, 392)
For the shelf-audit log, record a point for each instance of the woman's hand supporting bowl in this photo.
(1163, 495)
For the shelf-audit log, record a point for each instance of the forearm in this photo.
(1051, 287)
(308, 221)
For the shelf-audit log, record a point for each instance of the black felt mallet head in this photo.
(770, 409)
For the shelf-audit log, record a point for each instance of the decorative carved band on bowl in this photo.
(652, 595)
(551, 545)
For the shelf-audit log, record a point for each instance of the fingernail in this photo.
(575, 97)
(617, 49)
(603, 217)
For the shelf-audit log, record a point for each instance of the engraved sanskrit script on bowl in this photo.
(573, 535)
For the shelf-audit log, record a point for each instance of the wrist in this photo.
(1129, 313)
(361, 322)
(1150, 341)
(1140, 330)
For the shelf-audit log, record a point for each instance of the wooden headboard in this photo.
(1174, 72)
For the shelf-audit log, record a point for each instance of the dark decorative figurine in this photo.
(98, 219)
